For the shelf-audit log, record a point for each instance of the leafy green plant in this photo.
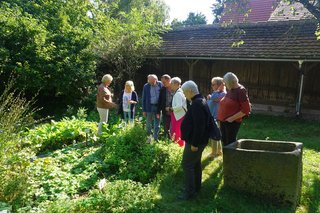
(63, 174)
(117, 196)
(128, 156)
(55, 135)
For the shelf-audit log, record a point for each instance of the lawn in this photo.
(215, 198)
(121, 173)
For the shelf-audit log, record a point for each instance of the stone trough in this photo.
(271, 170)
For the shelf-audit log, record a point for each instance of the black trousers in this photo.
(166, 125)
(229, 132)
(191, 163)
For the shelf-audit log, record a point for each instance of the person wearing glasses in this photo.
(219, 91)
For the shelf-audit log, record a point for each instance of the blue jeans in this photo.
(156, 122)
(128, 117)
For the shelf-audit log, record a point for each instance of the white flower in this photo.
(102, 183)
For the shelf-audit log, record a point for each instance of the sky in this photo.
(180, 8)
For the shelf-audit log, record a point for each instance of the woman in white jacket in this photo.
(178, 110)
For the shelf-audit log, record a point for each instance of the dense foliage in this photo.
(72, 161)
(54, 47)
(127, 156)
(55, 135)
(46, 45)
(116, 196)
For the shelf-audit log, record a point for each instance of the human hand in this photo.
(230, 120)
(158, 116)
(208, 97)
(168, 109)
(115, 105)
(194, 148)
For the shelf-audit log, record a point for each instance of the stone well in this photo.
(271, 170)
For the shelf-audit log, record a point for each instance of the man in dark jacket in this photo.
(194, 131)
(165, 100)
(150, 98)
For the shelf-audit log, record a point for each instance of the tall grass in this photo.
(15, 115)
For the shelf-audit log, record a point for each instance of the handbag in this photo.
(214, 131)
(212, 126)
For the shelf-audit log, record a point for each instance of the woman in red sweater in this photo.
(233, 107)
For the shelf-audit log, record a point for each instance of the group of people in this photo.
(164, 99)
(185, 124)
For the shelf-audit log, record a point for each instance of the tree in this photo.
(136, 30)
(45, 45)
(175, 23)
(54, 46)
(217, 9)
(193, 19)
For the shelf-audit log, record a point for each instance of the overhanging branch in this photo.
(312, 8)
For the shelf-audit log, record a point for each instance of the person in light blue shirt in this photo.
(219, 91)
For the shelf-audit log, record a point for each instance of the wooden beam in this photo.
(298, 105)
(191, 64)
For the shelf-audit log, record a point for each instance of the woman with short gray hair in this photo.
(194, 131)
(190, 86)
(233, 107)
(178, 110)
(230, 80)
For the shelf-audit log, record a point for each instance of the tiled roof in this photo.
(265, 10)
(286, 11)
(260, 11)
(290, 40)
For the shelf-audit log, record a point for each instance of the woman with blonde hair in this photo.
(127, 101)
(219, 91)
(104, 100)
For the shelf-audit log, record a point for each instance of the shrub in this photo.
(117, 196)
(63, 174)
(55, 135)
(128, 156)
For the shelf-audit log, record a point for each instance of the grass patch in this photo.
(215, 198)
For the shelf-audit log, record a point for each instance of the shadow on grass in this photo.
(172, 186)
(214, 197)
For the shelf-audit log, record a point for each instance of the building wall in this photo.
(275, 83)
